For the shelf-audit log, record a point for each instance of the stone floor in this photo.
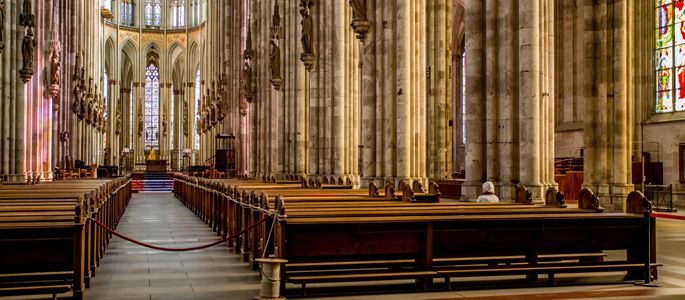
(131, 272)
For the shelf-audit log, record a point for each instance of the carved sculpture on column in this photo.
(275, 52)
(307, 55)
(360, 23)
(243, 107)
(28, 46)
(247, 88)
(164, 126)
(118, 124)
(2, 25)
(140, 119)
(56, 66)
(275, 63)
(28, 49)
(185, 116)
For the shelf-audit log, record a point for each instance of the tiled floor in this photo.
(132, 272)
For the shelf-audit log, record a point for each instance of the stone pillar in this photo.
(475, 100)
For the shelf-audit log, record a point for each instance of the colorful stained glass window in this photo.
(151, 107)
(670, 55)
(153, 12)
(198, 96)
(127, 13)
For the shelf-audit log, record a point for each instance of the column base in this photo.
(16, 178)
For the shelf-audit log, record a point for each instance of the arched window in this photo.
(105, 94)
(670, 56)
(153, 12)
(171, 120)
(131, 119)
(127, 12)
(152, 107)
(178, 13)
(198, 96)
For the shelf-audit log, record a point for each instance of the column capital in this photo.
(125, 90)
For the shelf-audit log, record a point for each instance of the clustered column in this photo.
(508, 110)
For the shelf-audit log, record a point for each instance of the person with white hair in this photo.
(488, 193)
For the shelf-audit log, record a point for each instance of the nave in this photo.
(131, 272)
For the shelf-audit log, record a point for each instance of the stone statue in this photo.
(2, 24)
(77, 66)
(243, 107)
(247, 82)
(307, 26)
(185, 117)
(164, 126)
(358, 9)
(140, 119)
(76, 104)
(275, 56)
(28, 49)
(56, 63)
(117, 130)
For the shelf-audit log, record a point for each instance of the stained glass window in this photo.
(670, 55)
(152, 107)
(126, 13)
(198, 96)
(178, 13)
(171, 120)
(131, 118)
(153, 12)
(105, 94)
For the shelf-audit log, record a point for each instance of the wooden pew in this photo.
(425, 239)
(51, 220)
(309, 208)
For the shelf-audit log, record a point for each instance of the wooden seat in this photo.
(544, 268)
(423, 276)
(353, 234)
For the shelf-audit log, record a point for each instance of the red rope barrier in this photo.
(179, 249)
(668, 216)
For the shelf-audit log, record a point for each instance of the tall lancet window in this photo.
(152, 107)
(670, 56)
(127, 12)
(153, 12)
(131, 117)
(105, 94)
(198, 96)
(178, 13)
(171, 119)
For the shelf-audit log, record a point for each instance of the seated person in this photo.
(488, 194)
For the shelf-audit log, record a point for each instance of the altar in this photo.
(155, 165)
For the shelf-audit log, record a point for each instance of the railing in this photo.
(660, 195)
(210, 161)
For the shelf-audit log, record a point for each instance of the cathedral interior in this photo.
(179, 114)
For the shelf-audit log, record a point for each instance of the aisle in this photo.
(130, 271)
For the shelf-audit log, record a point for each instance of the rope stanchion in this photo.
(180, 249)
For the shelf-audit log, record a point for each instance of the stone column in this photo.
(475, 100)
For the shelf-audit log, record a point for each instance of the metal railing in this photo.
(660, 195)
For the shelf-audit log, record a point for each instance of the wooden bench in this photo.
(340, 231)
(47, 242)
(463, 240)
